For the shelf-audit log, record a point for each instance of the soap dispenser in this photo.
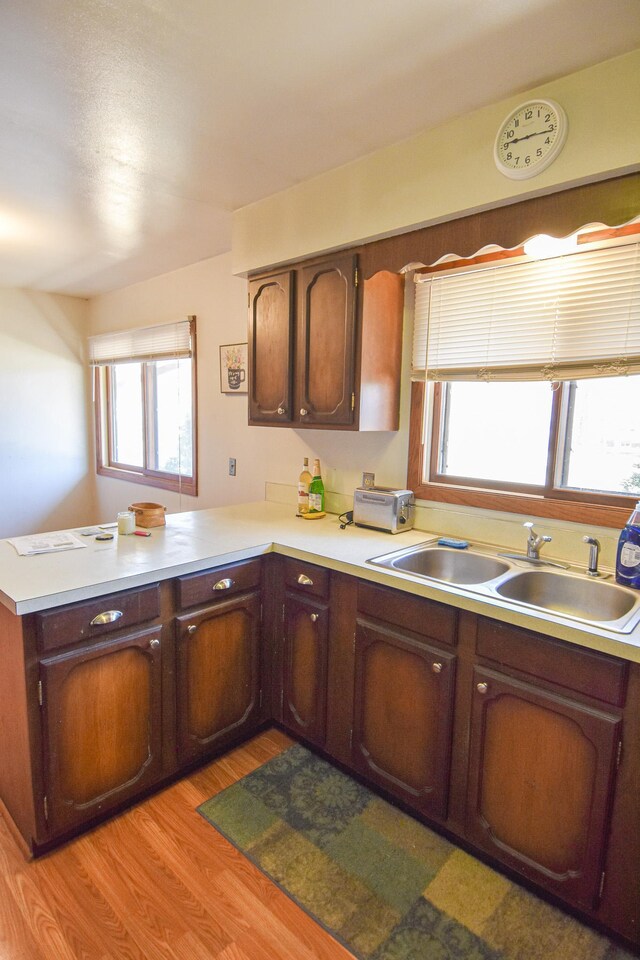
(628, 557)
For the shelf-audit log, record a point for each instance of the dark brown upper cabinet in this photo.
(324, 349)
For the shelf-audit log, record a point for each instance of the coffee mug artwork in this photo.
(233, 368)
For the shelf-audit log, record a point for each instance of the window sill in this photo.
(574, 511)
(186, 485)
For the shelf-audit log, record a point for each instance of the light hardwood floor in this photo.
(157, 882)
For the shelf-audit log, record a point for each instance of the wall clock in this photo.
(530, 138)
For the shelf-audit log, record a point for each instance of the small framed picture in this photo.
(233, 368)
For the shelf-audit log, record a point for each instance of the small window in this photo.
(145, 405)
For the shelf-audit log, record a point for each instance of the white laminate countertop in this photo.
(201, 539)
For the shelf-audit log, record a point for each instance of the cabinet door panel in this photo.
(326, 342)
(403, 711)
(102, 729)
(270, 348)
(218, 674)
(305, 667)
(540, 782)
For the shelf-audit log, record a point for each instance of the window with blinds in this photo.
(564, 318)
(145, 392)
(168, 340)
(532, 371)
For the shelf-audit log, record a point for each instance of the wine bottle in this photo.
(316, 490)
(304, 482)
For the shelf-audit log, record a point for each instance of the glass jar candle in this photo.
(126, 522)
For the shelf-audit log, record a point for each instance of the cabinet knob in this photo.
(191, 628)
(305, 581)
(281, 411)
(313, 617)
(223, 584)
(303, 412)
(436, 667)
(482, 687)
(154, 644)
(109, 616)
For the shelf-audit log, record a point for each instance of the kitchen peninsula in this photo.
(127, 662)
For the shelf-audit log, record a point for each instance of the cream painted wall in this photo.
(46, 482)
(445, 172)
(219, 301)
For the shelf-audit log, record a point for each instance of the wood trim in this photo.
(613, 202)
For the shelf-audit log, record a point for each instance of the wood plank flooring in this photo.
(156, 883)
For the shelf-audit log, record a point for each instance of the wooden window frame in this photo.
(576, 506)
(107, 467)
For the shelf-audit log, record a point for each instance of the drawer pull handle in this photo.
(313, 617)
(109, 616)
(305, 581)
(191, 628)
(436, 667)
(482, 687)
(225, 584)
(154, 644)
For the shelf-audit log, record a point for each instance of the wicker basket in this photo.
(149, 514)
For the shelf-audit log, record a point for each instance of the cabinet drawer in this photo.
(219, 583)
(97, 617)
(575, 668)
(427, 617)
(307, 577)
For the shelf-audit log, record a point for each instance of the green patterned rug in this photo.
(381, 883)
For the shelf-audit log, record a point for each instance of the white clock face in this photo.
(530, 139)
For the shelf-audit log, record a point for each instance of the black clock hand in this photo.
(538, 133)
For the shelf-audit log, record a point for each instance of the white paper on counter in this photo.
(46, 543)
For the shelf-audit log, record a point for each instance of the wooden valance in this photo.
(612, 202)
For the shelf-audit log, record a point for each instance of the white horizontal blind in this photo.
(167, 341)
(565, 318)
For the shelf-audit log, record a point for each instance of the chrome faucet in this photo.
(594, 550)
(534, 542)
(532, 556)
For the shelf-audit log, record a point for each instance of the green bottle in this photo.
(316, 490)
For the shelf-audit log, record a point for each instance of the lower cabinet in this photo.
(102, 713)
(304, 671)
(509, 739)
(541, 774)
(218, 674)
(402, 715)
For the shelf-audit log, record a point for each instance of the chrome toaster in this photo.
(383, 508)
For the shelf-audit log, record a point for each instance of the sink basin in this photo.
(574, 597)
(451, 566)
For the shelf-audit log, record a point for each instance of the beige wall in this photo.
(446, 172)
(46, 480)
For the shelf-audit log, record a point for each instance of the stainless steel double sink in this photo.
(562, 593)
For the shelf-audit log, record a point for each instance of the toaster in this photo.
(383, 508)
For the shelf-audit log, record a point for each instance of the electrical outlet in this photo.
(232, 466)
(368, 479)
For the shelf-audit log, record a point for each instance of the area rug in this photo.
(382, 884)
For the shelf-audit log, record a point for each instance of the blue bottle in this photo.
(628, 558)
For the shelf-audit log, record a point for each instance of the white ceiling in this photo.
(130, 129)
